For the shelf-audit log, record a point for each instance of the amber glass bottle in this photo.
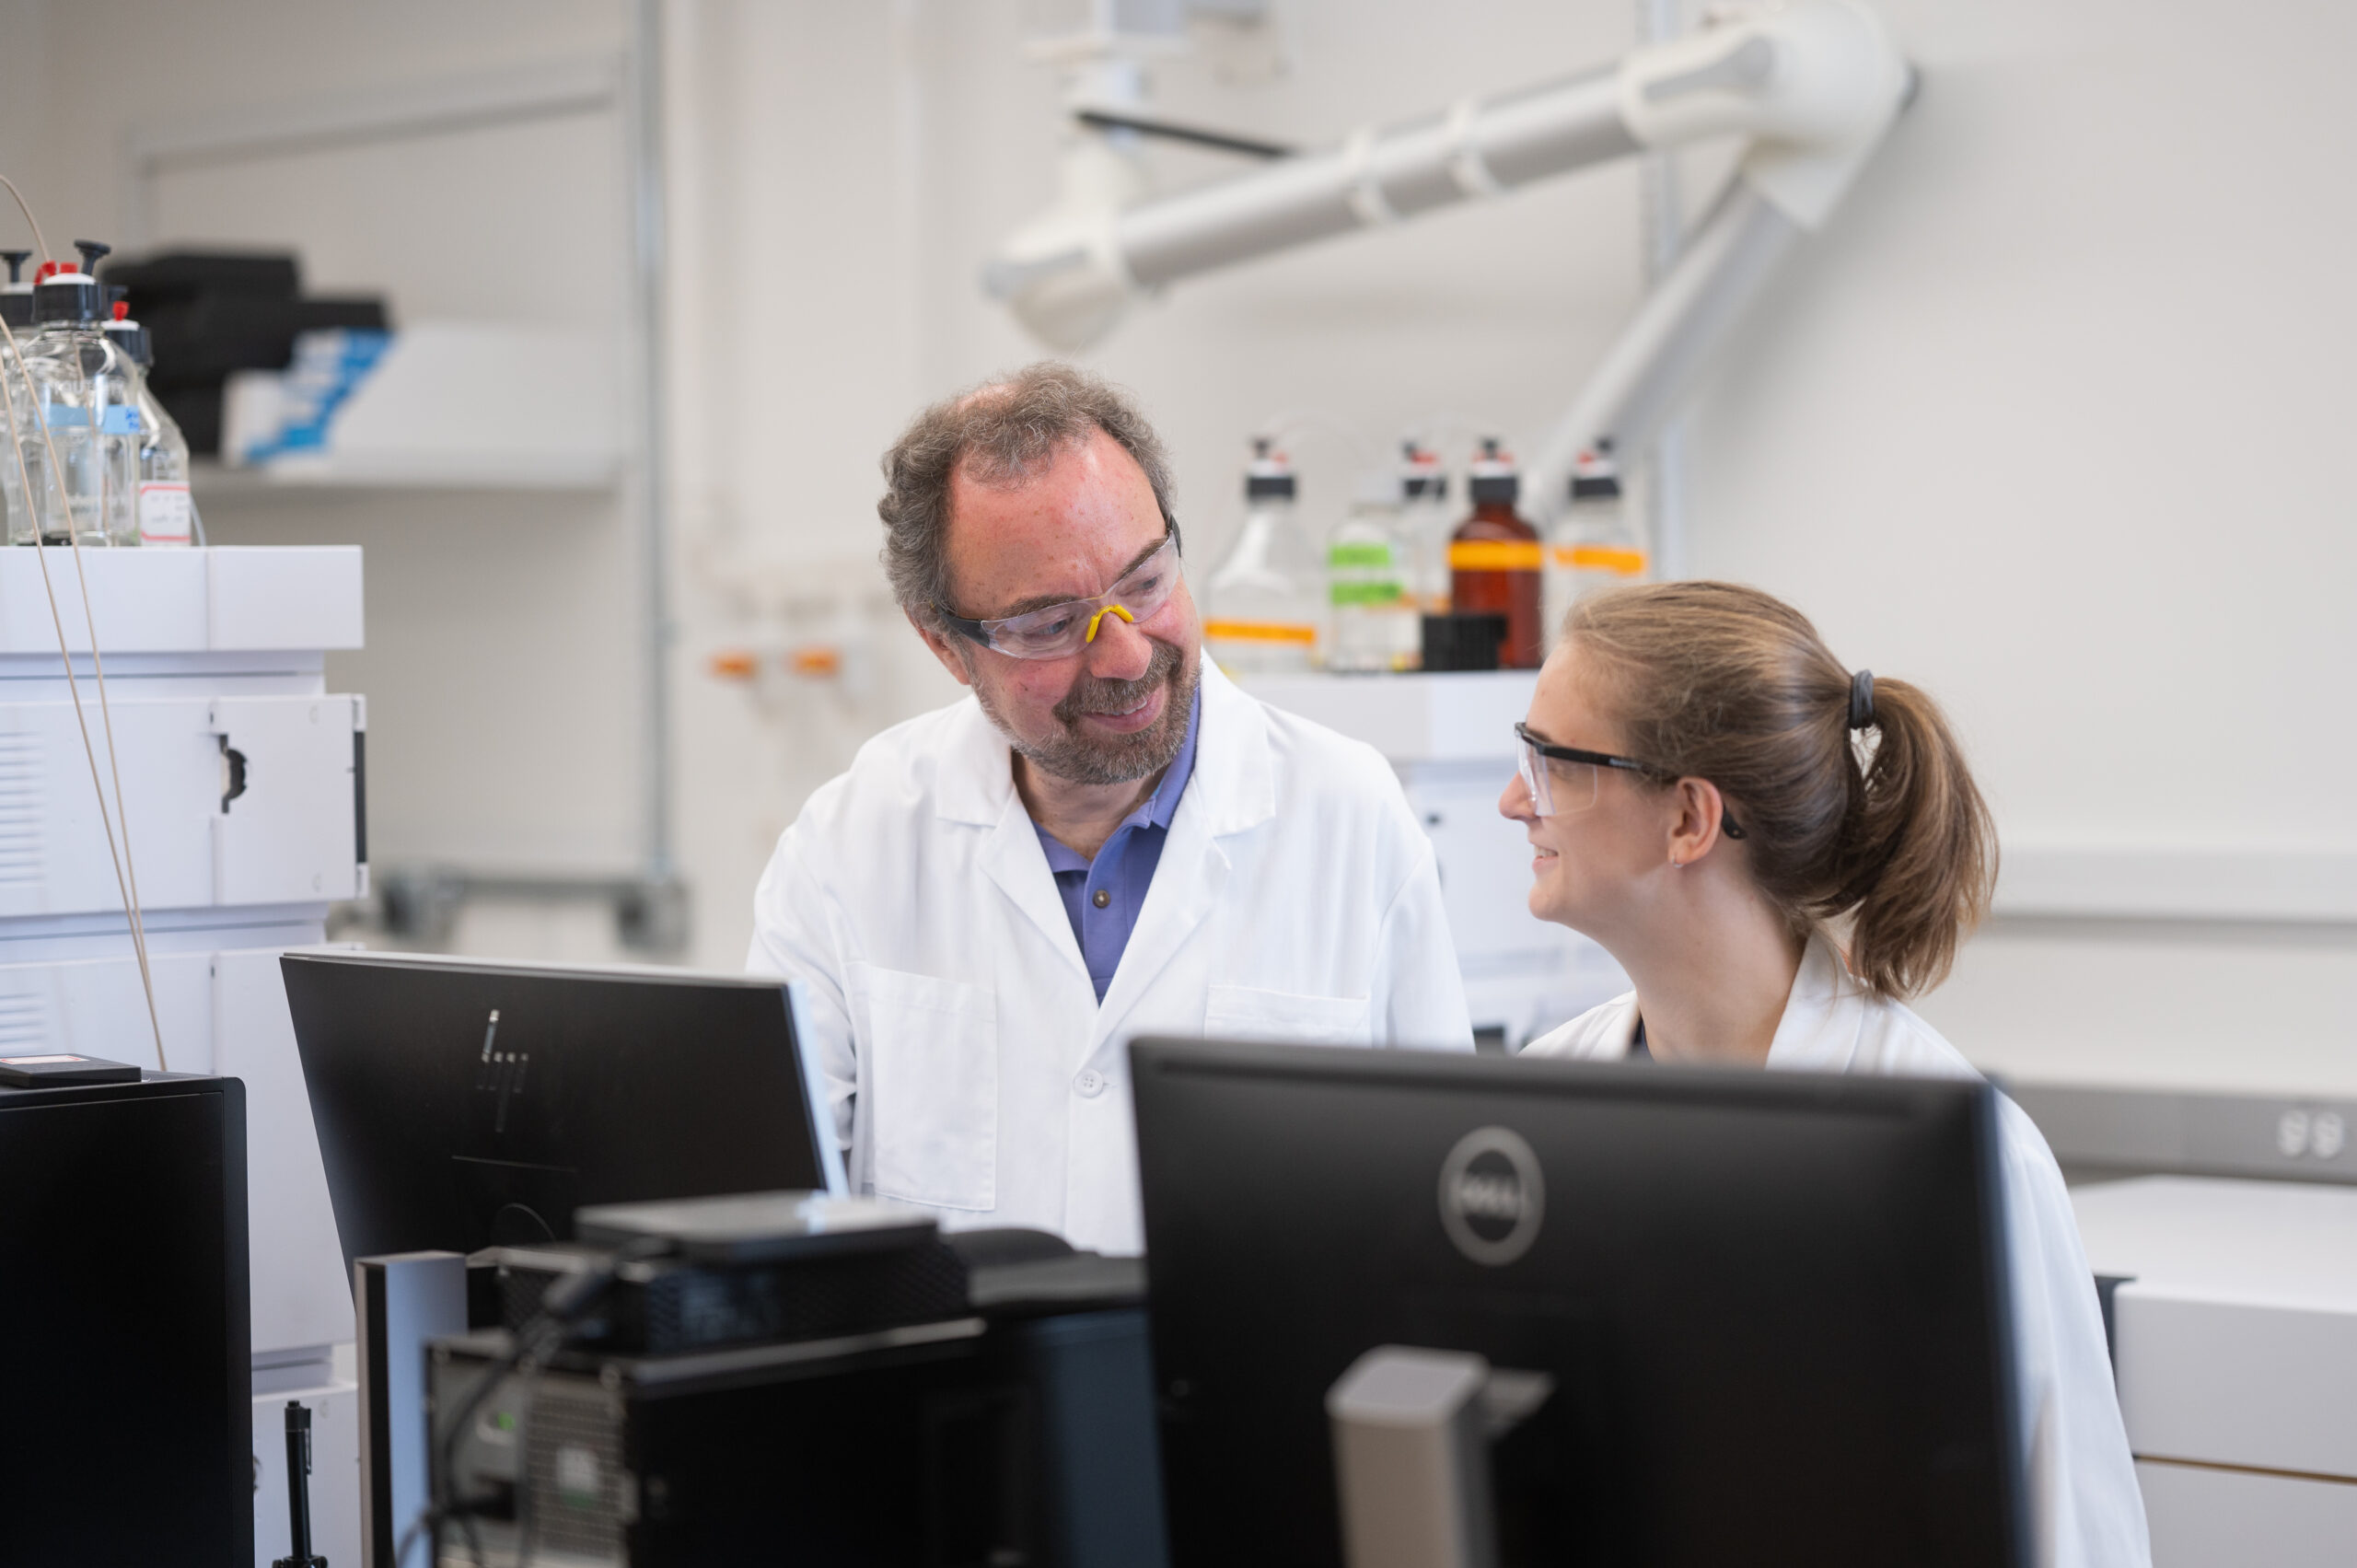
(1495, 561)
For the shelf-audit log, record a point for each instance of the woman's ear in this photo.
(1694, 829)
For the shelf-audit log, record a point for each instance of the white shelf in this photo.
(212, 481)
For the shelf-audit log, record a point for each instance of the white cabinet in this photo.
(2234, 1337)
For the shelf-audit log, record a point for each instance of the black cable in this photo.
(562, 1307)
(1219, 141)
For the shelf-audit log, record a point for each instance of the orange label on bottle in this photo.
(1601, 558)
(1495, 555)
(1260, 631)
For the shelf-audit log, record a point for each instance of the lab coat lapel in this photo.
(1233, 790)
(976, 787)
(1823, 1016)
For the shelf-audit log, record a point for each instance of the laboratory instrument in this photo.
(463, 1104)
(1260, 604)
(80, 438)
(125, 1322)
(1593, 544)
(1812, 85)
(1003, 1415)
(166, 508)
(1494, 559)
(1749, 1317)
(1373, 620)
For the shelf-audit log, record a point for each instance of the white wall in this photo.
(2046, 422)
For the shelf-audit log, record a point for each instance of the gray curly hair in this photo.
(998, 434)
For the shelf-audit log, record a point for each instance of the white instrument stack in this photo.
(242, 780)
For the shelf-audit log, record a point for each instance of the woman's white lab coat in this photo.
(972, 1067)
(2087, 1510)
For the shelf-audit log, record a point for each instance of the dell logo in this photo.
(1491, 1195)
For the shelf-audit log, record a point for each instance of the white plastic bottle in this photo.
(1593, 545)
(1261, 606)
(88, 411)
(1376, 624)
(166, 512)
(16, 309)
(1427, 521)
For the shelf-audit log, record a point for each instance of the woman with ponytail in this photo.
(1780, 850)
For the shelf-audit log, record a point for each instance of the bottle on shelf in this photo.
(167, 512)
(1374, 616)
(17, 295)
(1260, 607)
(16, 309)
(1593, 545)
(1424, 504)
(1495, 559)
(85, 407)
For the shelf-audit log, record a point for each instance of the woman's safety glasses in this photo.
(1063, 629)
(1561, 779)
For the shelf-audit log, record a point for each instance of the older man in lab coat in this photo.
(1105, 839)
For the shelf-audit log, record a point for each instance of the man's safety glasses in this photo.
(1062, 628)
(1561, 779)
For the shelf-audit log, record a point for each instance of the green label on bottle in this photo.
(1365, 595)
(1358, 557)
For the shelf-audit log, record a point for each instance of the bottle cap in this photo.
(1420, 476)
(17, 295)
(1595, 479)
(1269, 474)
(64, 295)
(1494, 479)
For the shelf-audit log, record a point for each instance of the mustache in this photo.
(1091, 695)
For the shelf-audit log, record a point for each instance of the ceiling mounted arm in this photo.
(1814, 85)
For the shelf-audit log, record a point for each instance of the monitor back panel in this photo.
(1769, 1303)
(461, 1106)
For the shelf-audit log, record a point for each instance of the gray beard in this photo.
(1077, 758)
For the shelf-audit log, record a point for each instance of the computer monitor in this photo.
(1772, 1306)
(463, 1105)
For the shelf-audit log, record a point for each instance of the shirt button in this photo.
(1100, 898)
(1091, 1083)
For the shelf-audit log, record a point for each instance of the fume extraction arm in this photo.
(1812, 84)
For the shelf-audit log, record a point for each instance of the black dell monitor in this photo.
(463, 1105)
(1767, 1313)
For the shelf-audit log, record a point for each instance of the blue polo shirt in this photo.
(1103, 895)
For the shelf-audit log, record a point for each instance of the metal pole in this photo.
(1663, 216)
(649, 260)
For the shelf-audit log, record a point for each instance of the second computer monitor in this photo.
(462, 1104)
(1769, 1309)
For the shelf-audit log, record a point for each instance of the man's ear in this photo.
(946, 647)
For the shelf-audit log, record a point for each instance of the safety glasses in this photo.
(1064, 629)
(1563, 779)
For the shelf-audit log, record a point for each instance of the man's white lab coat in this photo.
(2087, 1508)
(970, 1065)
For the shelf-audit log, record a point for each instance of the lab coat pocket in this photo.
(1244, 1012)
(932, 1047)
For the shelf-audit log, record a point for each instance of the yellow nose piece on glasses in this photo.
(1098, 619)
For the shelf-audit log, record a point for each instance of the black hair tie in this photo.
(1862, 700)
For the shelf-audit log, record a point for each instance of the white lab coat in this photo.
(972, 1067)
(2087, 1511)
